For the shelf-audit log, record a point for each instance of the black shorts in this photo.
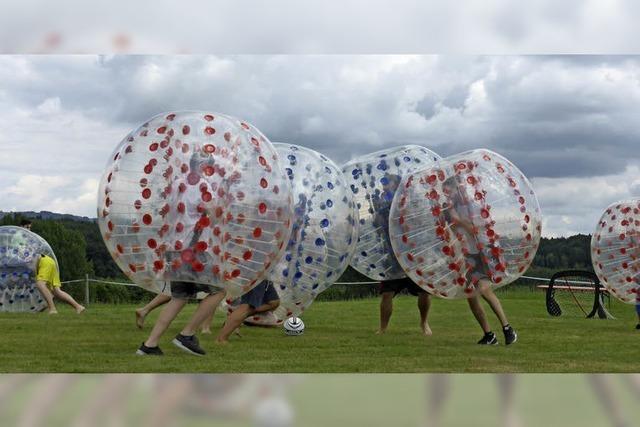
(398, 285)
(264, 293)
(477, 270)
(188, 290)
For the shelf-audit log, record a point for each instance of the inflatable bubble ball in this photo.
(19, 249)
(615, 250)
(472, 218)
(373, 180)
(195, 197)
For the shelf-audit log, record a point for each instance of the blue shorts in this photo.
(264, 293)
(638, 308)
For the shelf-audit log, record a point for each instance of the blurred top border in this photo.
(317, 27)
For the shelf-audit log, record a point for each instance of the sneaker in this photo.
(510, 335)
(638, 326)
(149, 351)
(189, 344)
(489, 339)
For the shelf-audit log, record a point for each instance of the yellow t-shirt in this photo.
(48, 272)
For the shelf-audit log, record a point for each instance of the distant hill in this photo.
(46, 215)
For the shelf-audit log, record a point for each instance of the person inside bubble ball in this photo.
(259, 300)
(181, 293)
(390, 288)
(49, 285)
(458, 214)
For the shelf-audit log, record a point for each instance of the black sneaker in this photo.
(189, 344)
(149, 351)
(638, 326)
(510, 335)
(489, 339)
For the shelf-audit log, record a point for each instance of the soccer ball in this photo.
(294, 326)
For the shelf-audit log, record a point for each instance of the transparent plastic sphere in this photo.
(324, 232)
(195, 197)
(323, 236)
(473, 216)
(19, 249)
(615, 250)
(373, 180)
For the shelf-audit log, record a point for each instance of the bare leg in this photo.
(493, 301)
(270, 306)
(233, 322)
(157, 301)
(440, 387)
(206, 325)
(60, 294)
(111, 394)
(386, 310)
(44, 400)
(164, 321)
(168, 401)
(602, 387)
(46, 294)
(510, 417)
(424, 304)
(205, 309)
(479, 314)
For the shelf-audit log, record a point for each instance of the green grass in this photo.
(339, 338)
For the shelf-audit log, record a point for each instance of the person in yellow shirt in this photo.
(48, 283)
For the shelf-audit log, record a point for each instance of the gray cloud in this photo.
(567, 121)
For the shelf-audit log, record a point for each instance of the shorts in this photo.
(638, 308)
(477, 270)
(264, 293)
(189, 290)
(48, 272)
(398, 285)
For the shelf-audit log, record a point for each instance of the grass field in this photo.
(369, 400)
(339, 338)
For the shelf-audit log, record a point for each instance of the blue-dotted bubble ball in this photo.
(19, 251)
(324, 229)
(373, 180)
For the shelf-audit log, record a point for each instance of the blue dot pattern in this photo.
(373, 180)
(323, 233)
(18, 249)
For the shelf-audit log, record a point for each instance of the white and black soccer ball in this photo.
(294, 326)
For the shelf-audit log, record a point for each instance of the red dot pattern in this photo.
(474, 216)
(615, 250)
(194, 197)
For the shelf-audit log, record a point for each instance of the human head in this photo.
(26, 223)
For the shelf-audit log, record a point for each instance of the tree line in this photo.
(80, 250)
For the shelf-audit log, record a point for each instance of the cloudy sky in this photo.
(569, 122)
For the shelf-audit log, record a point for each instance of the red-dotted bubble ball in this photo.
(196, 186)
(470, 219)
(615, 250)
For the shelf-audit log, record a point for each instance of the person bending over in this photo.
(261, 299)
(49, 285)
